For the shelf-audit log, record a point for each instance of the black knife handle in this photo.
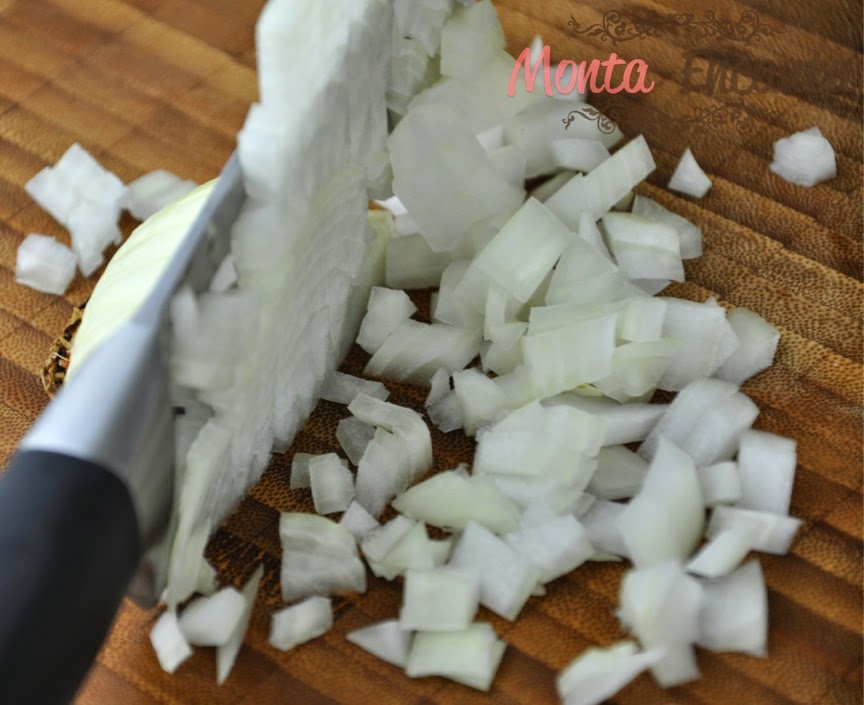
(69, 546)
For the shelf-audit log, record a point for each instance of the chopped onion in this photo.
(211, 620)
(208, 579)
(442, 599)
(619, 475)
(471, 38)
(379, 542)
(413, 551)
(721, 483)
(383, 471)
(601, 522)
(625, 423)
(689, 234)
(386, 640)
(766, 465)
(598, 673)
(168, 642)
(387, 310)
(734, 613)
(480, 399)
(579, 153)
(226, 654)
(599, 190)
(150, 193)
(449, 501)
(44, 264)
(555, 546)
(805, 158)
(758, 342)
(439, 387)
(411, 263)
(660, 605)
(643, 248)
(723, 553)
(342, 388)
(446, 413)
(332, 484)
(297, 624)
(772, 533)
(469, 656)
(354, 437)
(506, 578)
(688, 177)
(665, 520)
(358, 521)
(300, 470)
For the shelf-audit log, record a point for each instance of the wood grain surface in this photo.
(166, 83)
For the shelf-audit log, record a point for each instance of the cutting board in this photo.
(145, 84)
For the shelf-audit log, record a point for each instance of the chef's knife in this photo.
(90, 488)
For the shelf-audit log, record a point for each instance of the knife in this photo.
(89, 490)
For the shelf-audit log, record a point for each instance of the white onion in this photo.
(721, 483)
(413, 551)
(300, 470)
(480, 399)
(168, 642)
(555, 546)
(411, 263)
(383, 472)
(446, 413)
(734, 614)
(689, 234)
(386, 640)
(297, 624)
(599, 190)
(766, 464)
(150, 193)
(442, 599)
(470, 39)
(211, 620)
(601, 522)
(226, 654)
(625, 423)
(665, 520)
(208, 579)
(354, 437)
(379, 542)
(805, 158)
(332, 484)
(579, 153)
(723, 553)
(643, 248)
(358, 521)
(660, 605)
(342, 388)
(469, 656)
(44, 264)
(506, 578)
(450, 501)
(772, 533)
(619, 475)
(688, 177)
(387, 310)
(758, 342)
(598, 673)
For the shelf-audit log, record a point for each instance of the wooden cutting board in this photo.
(166, 83)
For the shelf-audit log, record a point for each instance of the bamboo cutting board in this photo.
(166, 83)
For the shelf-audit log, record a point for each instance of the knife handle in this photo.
(69, 546)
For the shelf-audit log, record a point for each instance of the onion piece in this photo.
(605, 185)
(442, 599)
(379, 542)
(168, 642)
(405, 423)
(637, 369)
(555, 546)
(625, 423)
(150, 193)
(446, 413)
(721, 483)
(758, 342)
(44, 264)
(383, 472)
(226, 654)
(723, 553)
(480, 399)
(579, 153)
(643, 249)
(342, 388)
(601, 522)
(300, 470)
(665, 520)
(772, 533)
(805, 158)
(506, 578)
(297, 624)
(449, 501)
(387, 310)
(439, 387)
(211, 620)
(332, 484)
(358, 521)
(619, 475)
(386, 640)
(689, 235)
(688, 177)
(598, 673)
(354, 437)
(469, 656)
(225, 276)
(208, 579)
(734, 613)
(414, 551)
(766, 465)
(411, 263)
(451, 306)
(660, 605)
